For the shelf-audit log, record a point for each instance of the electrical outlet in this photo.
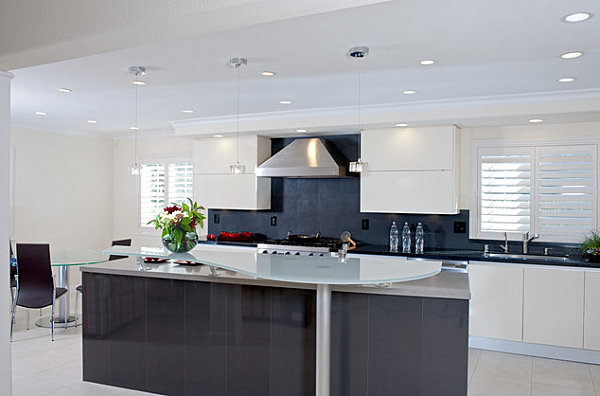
(460, 227)
(273, 221)
(216, 218)
(365, 224)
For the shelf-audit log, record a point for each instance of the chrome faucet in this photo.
(527, 239)
(505, 246)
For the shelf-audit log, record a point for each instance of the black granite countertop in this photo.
(573, 260)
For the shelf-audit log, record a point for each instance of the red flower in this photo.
(171, 209)
(193, 225)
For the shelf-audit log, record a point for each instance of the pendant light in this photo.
(358, 53)
(237, 168)
(137, 72)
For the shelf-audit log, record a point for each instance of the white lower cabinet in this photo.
(553, 307)
(591, 328)
(496, 301)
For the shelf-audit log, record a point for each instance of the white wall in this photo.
(526, 133)
(125, 187)
(62, 191)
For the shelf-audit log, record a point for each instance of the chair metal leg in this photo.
(76, 308)
(52, 318)
(28, 319)
(12, 322)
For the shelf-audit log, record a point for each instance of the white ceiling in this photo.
(482, 48)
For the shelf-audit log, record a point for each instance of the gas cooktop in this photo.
(301, 245)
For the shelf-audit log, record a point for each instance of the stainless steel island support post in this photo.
(63, 303)
(323, 340)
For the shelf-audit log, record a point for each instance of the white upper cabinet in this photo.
(216, 188)
(214, 155)
(404, 149)
(410, 170)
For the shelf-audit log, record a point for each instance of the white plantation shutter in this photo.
(566, 192)
(181, 181)
(504, 190)
(162, 184)
(152, 191)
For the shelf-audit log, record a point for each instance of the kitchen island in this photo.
(249, 324)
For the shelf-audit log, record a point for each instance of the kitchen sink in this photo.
(528, 257)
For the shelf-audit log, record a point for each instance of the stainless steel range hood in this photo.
(303, 158)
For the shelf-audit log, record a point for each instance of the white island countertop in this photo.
(373, 274)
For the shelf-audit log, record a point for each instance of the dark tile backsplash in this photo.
(331, 206)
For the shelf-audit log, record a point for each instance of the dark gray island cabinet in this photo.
(179, 330)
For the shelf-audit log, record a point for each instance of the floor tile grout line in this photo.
(474, 368)
(531, 382)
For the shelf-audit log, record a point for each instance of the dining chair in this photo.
(35, 282)
(13, 275)
(79, 289)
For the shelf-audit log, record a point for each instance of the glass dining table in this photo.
(64, 260)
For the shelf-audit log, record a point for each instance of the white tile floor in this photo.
(43, 367)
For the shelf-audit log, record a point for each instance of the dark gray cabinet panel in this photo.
(165, 336)
(292, 351)
(205, 341)
(127, 321)
(445, 347)
(202, 338)
(96, 331)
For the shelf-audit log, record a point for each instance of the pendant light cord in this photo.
(237, 140)
(359, 114)
(135, 163)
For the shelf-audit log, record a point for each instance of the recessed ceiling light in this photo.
(409, 92)
(138, 82)
(566, 79)
(285, 102)
(427, 62)
(535, 120)
(577, 17)
(218, 136)
(401, 125)
(267, 73)
(134, 128)
(92, 121)
(301, 130)
(66, 90)
(571, 55)
(187, 111)
(41, 113)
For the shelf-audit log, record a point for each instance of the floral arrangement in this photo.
(178, 224)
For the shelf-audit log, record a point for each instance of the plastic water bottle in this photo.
(394, 237)
(419, 239)
(406, 238)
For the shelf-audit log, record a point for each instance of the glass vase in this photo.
(188, 242)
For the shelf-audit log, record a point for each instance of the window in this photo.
(162, 184)
(549, 190)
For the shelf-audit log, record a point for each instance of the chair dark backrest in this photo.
(35, 275)
(120, 242)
